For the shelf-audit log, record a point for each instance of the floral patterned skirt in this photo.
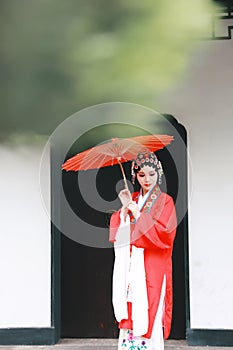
(127, 341)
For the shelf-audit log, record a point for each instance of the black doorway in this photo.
(86, 309)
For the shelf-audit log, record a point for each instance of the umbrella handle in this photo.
(123, 174)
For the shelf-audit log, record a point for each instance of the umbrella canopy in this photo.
(116, 151)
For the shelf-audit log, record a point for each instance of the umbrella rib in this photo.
(109, 152)
(89, 161)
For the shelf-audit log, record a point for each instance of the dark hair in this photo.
(147, 158)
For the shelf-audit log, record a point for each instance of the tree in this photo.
(60, 56)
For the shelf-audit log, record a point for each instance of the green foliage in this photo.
(60, 56)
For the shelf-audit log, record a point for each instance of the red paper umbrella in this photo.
(116, 151)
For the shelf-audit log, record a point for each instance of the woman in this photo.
(143, 232)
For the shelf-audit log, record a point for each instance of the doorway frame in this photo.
(56, 161)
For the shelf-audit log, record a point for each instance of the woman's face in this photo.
(147, 178)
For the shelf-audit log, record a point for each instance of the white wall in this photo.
(203, 102)
(25, 272)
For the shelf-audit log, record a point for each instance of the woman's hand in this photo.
(125, 198)
(133, 207)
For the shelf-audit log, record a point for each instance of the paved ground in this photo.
(105, 344)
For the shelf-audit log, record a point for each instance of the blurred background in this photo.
(59, 56)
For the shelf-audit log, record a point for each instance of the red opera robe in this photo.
(154, 231)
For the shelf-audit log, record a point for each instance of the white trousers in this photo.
(128, 341)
